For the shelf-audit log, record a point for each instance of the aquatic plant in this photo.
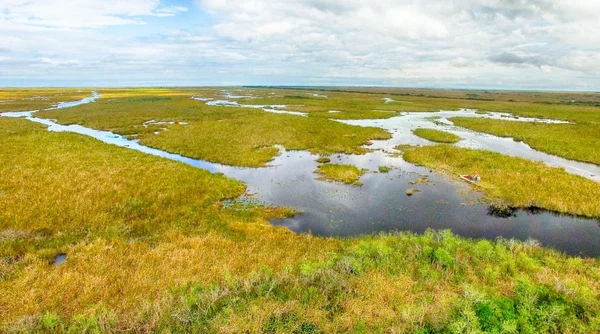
(384, 169)
(348, 174)
(437, 135)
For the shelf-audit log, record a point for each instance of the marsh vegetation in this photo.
(342, 173)
(437, 136)
(157, 245)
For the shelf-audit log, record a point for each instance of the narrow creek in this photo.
(381, 205)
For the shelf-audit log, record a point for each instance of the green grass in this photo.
(571, 141)
(384, 169)
(514, 181)
(348, 174)
(437, 135)
(233, 136)
(323, 160)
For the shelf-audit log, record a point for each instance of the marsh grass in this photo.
(27, 99)
(132, 225)
(158, 246)
(348, 174)
(233, 136)
(515, 181)
(571, 141)
(437, 135)
(384, 169)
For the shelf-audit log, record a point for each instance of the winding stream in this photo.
(333, 209)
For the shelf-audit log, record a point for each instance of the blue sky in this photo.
(503, 44)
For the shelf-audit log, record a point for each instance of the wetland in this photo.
(238, 168)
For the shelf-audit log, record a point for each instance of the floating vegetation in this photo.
(501, 211)
(423, 179)
(411, 191)
(384, 169)
(348, 174)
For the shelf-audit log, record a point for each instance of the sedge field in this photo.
(155, 245)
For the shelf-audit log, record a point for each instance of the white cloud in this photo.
(398, 39)
(51, 62)
(510, 43)
(80, 13)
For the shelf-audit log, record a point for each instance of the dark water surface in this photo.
(381, 204)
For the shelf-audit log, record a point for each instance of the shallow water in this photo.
(272, 108)
(60, 259)
(381, 205)
(401, 128)
(334, 209)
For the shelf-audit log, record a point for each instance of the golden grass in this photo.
(26, 99)
(348, 174)
(515, 181)
(437, 135)
(132, 225)
(151, 247)
(233, 136)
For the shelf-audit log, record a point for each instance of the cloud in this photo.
(461, 62)
(50, 62)
(507, 58)
(81, 13)
(497, 43)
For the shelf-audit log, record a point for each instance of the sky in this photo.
(492, 44)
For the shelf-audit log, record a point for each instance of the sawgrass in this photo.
(155, 245)
(233, 136)
(437, 135)
(572, 141)
(514, 181)
(132, 226)
(348, 174)
(158, 246)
